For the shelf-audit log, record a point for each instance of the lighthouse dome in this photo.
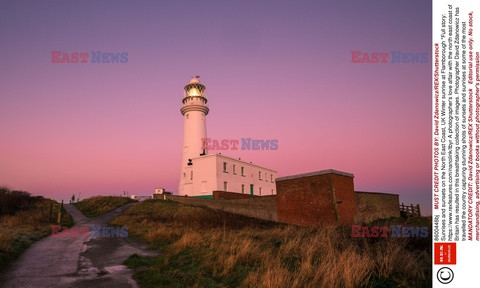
(195, 80)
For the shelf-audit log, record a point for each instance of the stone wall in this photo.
(372, 205)
(264, 207)
(231, 195)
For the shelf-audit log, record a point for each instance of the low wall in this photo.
(324, 197)
(372, 206)
(264, 207)
(231, 195)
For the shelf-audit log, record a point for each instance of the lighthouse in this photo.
(202, 173)
(194, 111)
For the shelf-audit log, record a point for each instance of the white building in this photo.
(140, 198)
(159, 190)
(201, 172)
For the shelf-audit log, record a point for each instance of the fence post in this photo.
(418, 209)
(50, 215)
(60, 213)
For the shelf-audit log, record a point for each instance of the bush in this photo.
(12, 201)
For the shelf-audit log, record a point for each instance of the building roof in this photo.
(383, 193)
(321, 172)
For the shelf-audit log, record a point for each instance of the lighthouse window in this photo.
(260, 175)
(243, 188)
(225, 167)
(225, 186)
(242, 170)
(191, 175)
(235, 173)
(260, 191)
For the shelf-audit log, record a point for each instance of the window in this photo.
(243, 188)
(242, 170)
(225, 186)
(259, 175)
(191, 175)
(225, 167)
(234, 172)
(260, 191)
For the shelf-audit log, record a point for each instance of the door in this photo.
(251, 189)
(188, 189)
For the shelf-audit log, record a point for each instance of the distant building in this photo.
(140, 198)
(201, 172)
(159, 190)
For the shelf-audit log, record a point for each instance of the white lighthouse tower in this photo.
(201, 173)
(194, 110)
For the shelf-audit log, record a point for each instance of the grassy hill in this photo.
(200, 247)
(99, 205)
(24, 219)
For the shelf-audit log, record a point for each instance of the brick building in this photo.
(322, 197)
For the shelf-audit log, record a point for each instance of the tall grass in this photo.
(206, 248)
(99, 205)
(25, 224)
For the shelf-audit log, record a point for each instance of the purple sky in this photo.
(273, 70)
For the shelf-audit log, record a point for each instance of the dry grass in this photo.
(99, 205)
(206, 248)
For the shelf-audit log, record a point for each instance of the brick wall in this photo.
(345, 197)
(318, 198)
(371, 206)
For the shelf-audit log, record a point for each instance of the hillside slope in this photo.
(200, 247)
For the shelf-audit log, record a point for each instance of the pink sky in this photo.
(273, 70)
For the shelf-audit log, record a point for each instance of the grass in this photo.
(99, 205)
(200, 247)
(22, 227)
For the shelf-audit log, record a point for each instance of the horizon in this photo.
(272, 71)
